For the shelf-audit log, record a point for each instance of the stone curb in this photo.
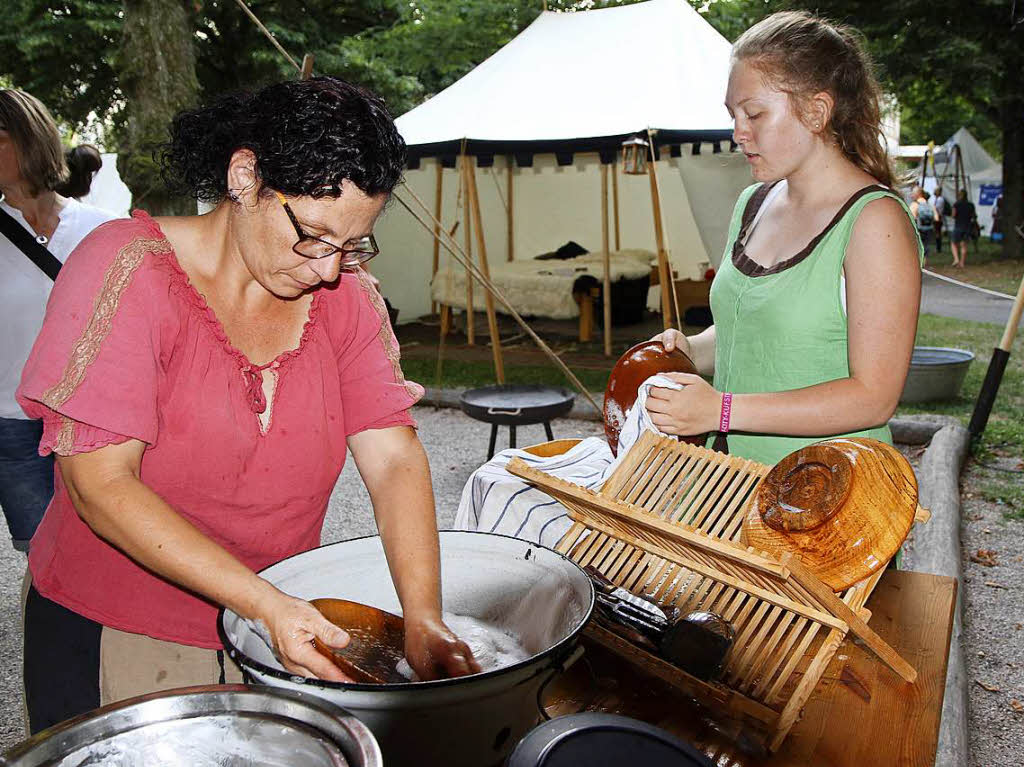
(937, 551)
(936, 544)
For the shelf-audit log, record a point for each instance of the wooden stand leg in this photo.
(494, 438)
(446, 320)
(586, 301)
(547, 430)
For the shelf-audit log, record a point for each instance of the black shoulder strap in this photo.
(27, 244)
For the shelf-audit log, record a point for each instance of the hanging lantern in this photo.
(634, 156)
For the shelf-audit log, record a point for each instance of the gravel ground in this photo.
(993, 612)
(456, 445)
(993, 595)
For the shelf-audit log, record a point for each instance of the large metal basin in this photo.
(209, 726)
(472, 721)
(936, 373)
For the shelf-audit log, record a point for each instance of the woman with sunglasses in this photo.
(201, 380)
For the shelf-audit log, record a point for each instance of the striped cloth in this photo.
(495, 501)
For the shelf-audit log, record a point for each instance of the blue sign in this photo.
(989, 193)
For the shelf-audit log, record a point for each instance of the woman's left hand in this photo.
(434, 652)
(694, 409)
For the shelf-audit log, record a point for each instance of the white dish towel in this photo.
(495, 501)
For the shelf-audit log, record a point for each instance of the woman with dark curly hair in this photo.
(201, 380)
(816, 299)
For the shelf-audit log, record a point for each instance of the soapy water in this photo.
(219, 740)
(520, 630)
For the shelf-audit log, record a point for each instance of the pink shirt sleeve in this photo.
(375, 394)
(92, 373)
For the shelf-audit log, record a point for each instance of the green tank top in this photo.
(784, 327)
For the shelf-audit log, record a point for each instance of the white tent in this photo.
(540, 117)
(983, 174)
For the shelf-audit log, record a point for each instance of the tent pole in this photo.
(509, 211)
(607, 263)
(615, 201)
(468, 244)
(664, 268)
(453, 248)
(478, 229)
(437, 226)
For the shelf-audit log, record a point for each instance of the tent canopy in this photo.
(978, 164)
(583, 81)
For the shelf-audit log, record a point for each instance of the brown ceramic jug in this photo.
(633, 368)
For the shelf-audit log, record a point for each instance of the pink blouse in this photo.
(129, 349)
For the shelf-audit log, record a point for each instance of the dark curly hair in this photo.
(308, 136)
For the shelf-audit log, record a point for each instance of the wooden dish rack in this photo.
(666, 525)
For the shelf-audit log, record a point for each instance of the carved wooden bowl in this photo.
(633, 368)
(844, 506)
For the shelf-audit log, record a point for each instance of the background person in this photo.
(817, 296)
(927, 220)
(32, 170)
(965, 218)
(201, 380)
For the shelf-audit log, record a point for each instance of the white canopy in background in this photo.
(979, 166)
(605, 72)
(562, 94)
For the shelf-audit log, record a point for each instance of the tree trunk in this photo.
(1012, 209)
(157, 75)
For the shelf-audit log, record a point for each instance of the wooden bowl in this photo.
(633, 368)
(844, 506)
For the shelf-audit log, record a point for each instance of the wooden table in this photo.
(861, 715)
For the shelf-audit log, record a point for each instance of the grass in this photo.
(1004, 434)
(985, 268)
(458, 374)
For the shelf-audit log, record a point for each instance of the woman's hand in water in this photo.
(434, 652)
(673, 339)
(694, 409)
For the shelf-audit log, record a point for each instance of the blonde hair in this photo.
(40, 153)
(802, 55)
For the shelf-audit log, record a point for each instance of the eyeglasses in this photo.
(309, 246)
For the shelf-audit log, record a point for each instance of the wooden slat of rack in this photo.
(767, 596)
(739, 705)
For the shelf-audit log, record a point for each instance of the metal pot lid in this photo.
(603, 740)
(211, 726)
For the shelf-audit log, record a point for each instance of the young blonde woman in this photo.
(816, 299)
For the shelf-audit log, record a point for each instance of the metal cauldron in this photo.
(471, 721)
(209, 726)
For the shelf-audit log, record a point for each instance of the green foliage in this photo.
(63, 53)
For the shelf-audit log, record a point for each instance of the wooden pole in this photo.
(664, 269)
(453, 248)
(510, 217)
(615, 202)
(307, 66)
(607, 263)
(438, 189)
(478, 228)
(468, 245)
(996, 367)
